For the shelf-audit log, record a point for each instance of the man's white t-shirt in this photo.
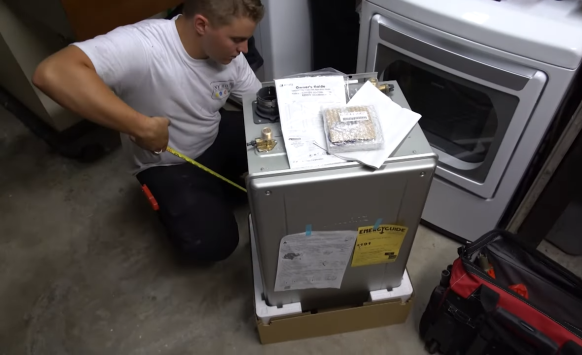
(146, 65)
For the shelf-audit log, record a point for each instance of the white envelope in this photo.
(396, 122)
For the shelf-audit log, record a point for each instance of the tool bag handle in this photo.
(467, 251)
(470, 249)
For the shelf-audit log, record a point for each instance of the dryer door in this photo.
(474, 105)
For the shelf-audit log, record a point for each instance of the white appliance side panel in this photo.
(25, 45)
(285, 38)
(259, 45)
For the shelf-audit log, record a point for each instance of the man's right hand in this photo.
(153, 135)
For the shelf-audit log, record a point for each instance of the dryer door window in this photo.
(464, 121)
(475, 104)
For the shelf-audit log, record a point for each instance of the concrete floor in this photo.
(84, 269)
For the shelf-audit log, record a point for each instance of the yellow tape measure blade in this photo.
(210, 171)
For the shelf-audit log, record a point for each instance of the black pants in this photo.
(195, 206)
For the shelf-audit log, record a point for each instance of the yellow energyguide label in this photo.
(378, 246)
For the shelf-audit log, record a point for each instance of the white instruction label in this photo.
(353, 116)
(315, 261)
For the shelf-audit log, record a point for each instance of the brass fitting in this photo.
(266, 143)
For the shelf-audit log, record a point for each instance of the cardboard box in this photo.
(329, 322)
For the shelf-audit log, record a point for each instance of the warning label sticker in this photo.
(378, 246)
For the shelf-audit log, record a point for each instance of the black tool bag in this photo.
(502, 297)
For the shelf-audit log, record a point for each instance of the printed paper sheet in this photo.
(300, 101)
(315, 261)
(396, 122)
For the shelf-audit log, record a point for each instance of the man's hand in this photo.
(153, 135)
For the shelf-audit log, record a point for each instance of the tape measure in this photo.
(210, 171)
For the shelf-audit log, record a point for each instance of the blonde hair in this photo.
(222, 12)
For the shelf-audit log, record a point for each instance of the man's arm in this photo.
(70, 78)
(247, 82)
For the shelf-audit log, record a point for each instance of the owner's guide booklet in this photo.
(300, 101)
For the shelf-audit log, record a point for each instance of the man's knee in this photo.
(206, 244)
(197, 217)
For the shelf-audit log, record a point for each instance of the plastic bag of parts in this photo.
(351, 128)
(353, 82)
